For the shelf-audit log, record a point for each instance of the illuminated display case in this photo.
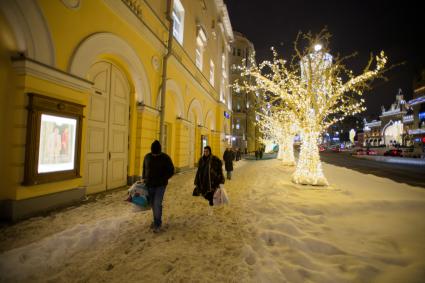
(53, 145)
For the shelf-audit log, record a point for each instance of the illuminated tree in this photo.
(318, 88)
(279, 126)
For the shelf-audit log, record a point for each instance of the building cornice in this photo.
(191, 78)
(135, 20)
(141, 107)
(184, 121)
(393, 113)
(417, 100)
(26, 66)
(222, 8)
(419, 89)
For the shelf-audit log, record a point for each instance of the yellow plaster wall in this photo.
(27, 84)
(181, 158)
(7, 91)
(147, 132)
(68, 29)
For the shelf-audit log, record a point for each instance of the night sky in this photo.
(362, 26)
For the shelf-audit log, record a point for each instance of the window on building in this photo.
(223, 65)
(198, 56)
(239, 52)
(237, 126)
(238, 106)
(178, 21)
(212, 72)
(223, 77)
(201, 42)
(222, 90)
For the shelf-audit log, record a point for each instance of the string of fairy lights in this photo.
(306, 95)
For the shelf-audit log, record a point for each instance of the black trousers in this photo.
(210, 196)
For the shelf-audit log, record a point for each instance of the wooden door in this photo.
(107, 129)
(118, 129)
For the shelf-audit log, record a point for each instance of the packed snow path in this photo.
(360, 229)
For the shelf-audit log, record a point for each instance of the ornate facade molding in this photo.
(26, 66)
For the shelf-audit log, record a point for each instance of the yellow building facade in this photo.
(107, 57)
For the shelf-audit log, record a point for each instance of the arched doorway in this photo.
(393, 133)
(107, 128)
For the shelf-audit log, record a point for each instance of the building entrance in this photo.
(107, 129)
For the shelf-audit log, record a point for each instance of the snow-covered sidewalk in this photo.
(361, 229)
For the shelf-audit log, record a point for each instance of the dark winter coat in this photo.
(157, 169)
(209, 176)
(238, 155)
(228, 158)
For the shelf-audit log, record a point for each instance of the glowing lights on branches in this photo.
(317, 88)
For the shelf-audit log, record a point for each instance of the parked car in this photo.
(364, 151)
(394, 152)
(336, 149)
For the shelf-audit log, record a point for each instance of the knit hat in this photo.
(156, 147)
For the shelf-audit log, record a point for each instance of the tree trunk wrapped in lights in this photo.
(289, 128)
(280, 126)
(318, 88)
(287, 144)
(309, 168)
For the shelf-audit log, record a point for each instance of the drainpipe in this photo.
(164, 72)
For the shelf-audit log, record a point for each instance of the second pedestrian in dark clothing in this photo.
(228, 158)
(260, 153)
(238, 154)
(209, 175)
(157, 169)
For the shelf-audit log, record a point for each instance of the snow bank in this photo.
(54, 251)
(361, 228)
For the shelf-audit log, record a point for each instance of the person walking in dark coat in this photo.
(238, 154)
(228, 158)
(157, 169)
(209, 175)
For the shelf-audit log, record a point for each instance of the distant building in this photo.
(417, 131)
(393, 125)
(244, 130)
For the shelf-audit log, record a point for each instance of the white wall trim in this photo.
(148, 109)
(195, 105)
(30, 29)
(134, 22)
(190, 78)
(174, 88)
(210, 121)
(184, 121)
(89, 50)
(44, 72)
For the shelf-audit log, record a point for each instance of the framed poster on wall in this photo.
(53, 146)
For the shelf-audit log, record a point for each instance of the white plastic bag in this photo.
(220, 196)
